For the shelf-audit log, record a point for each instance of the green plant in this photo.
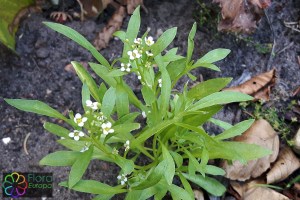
(7, 15)
(178, 145)
(272, 115)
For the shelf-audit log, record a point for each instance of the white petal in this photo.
(119, 177)
(122, 69)
(81, 124)
(76, 137)
(122, 64)
(129, 53)
(71, 134)
(122, 182)
(128, 64)
(103, 126)
(105, 132)
(127, 142)
(150, 38)
(77, 116)
(125, 179)
(128, 69)
(139, 77)
(89, 103)
(81, 134)
(131, 57)
(6, 140)
(108, 125)
(111, 131)
(84, 119)
(138, 55)
(135, 51)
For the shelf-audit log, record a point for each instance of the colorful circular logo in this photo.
(15, 185)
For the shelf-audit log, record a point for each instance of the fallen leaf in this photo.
(296, 142)
(198, 194)
(260, 133)
(286, 164)
(251, 191)
(113, 25)
(259, 86)
(241, 15)
(132, 4)
(92, 8)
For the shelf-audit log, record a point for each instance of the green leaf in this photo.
(60, 158)
(121, 35)
(132, 30)
(148, 95)
(86, 78)
(213, 170)
(116, 73)
(179, 193)
(126, 165)
(154, 177)
(212, 56)
(220, 98)
(176, 67)
(177, 158)
(201, 90)
(79, 166)
(129, 118)
(35, 106)
(103, 197)
(102, 72)
(122, 101)
(94, 187)
(171, 56)
(220, 123)
(206, 65)
(236, 130)
(56, 129)
(163, 41)
(166, 86)
(108, 102)
(186, 185)
(79, 39)
(209, 184)
(190, 48)
(170, 171)
(85, 95)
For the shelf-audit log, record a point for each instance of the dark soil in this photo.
(38, 73)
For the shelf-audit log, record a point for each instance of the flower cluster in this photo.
(122, 178)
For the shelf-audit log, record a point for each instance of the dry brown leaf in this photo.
(250, 191)
(70, 68)
(259, 86)
(198, 194)
(296, 145)
(113, 25)
(260, 133)
(92, 8)
(286, 164)
(241, 15)
(132, 4)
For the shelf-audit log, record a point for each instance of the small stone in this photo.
(42, 53)
(6, 140)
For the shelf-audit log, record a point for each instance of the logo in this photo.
(15, 185)
(18, 185)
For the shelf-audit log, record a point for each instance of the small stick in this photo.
(25, 143)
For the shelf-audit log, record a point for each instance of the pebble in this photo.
(42, 52)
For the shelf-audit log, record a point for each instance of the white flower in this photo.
(149, 41)
(137, 41)
(159, 82)
(144, 114)
(79, 120)
(134, 54)
(125, 67)
(115, 151)
(92, 105)
(6, 140)
(85, 148)
(106, 128)
(148, 64)
(76, 135)
(127, 145)
(149, 53)
(122, 178)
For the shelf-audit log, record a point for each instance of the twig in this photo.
(285, 48)
(25, 143)
(271, 58)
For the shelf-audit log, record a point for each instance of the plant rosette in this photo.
(180, 148)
